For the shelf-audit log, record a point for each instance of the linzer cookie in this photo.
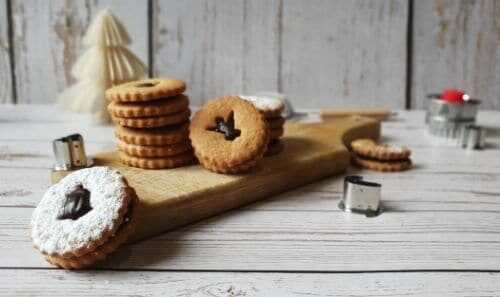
(154, 137)
(229, 135)
(145, 151)
(84, 217)
(162, 106)
(370, 155)
(271, 108)
(370, 149)
(146, 90)
(173, 161)
(153, 122)
(385, 166)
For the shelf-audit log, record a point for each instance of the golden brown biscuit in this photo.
(154, 122)
(179, 160)
(155, 136)
(368, 148)
(76, 218)
(158, 107)
(122, 234)
(228, 135)
(144, 151)
(270, 107)
(146, 90)
(385, 166)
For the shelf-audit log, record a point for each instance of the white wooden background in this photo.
(439, 235)
(319, 52)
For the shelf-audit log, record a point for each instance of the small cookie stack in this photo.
(380, 157)
(271, 109)
(153, 123)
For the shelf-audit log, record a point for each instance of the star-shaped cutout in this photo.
(226, 127)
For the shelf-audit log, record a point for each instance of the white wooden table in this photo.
(439, 234)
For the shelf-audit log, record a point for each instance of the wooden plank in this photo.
(344, 53)
(295, 241)
(180, 196)
(6, 95)
(47, 41)
(132, 283)
(456, 44)
(218, 47)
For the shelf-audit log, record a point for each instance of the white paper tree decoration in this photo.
(106, 62)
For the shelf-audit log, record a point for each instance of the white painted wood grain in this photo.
(296, 240)
(6, 95)
(218, 47)
(193, 284)
(456, 44)
(47, 41)
(344, 53)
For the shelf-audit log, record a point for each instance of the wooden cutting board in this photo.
(176, 197)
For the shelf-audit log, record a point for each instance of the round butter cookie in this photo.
(163, 106)
(174, 161)
(147, 151)
(146, 90)
(155, 136)
(368, 148)
(154, 122)
(80, 214)
(270, 107)
(229, 135)
(384, 166)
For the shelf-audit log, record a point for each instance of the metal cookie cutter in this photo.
(473, 137)
(70, 154)
(361, 196)
(447, 119)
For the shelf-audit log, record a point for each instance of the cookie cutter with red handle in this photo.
(70, 154)
(361, 196)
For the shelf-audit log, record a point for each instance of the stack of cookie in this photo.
(153, 123)
(380, 157)
(271, 109)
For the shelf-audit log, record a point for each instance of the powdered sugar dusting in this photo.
(107, 196)
(264, 103)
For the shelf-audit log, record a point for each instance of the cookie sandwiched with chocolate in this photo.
(229, 135)
(271, 108)
(380, 157)
(84, 217)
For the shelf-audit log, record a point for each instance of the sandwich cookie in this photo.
(229, 135)
(146, 90)
(84, 217)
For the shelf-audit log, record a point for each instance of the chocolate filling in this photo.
(226, 127)
(146, 85)
(77, 204)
